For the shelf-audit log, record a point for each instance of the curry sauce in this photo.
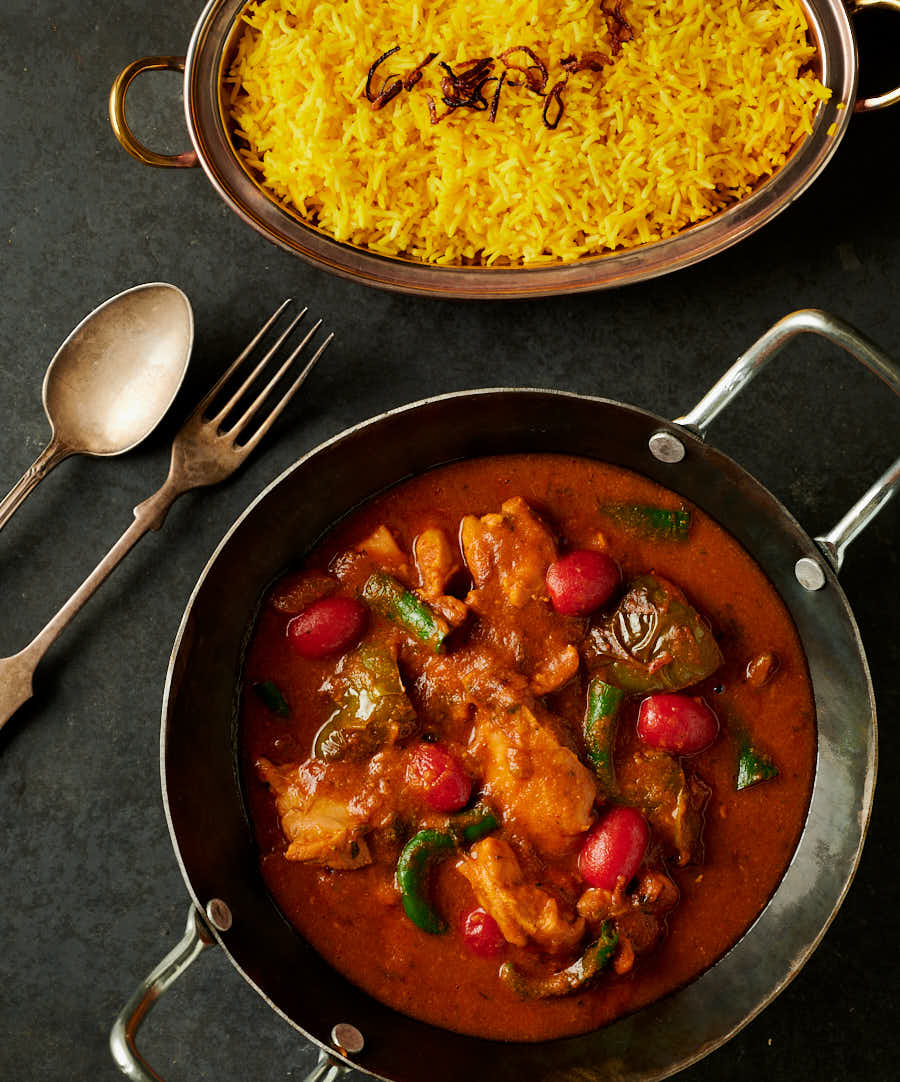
(479, 663)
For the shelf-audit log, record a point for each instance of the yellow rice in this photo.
(706, 101)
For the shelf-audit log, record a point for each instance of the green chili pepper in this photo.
(600, 720)
(270, 693)
(585, 969)
(480, 828)
(412, 875)
(391, 599)
(428, 845)
(653, 522)
(753, 766)
(471, 826)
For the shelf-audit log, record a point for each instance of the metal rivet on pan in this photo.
(218, 914)
(809, 573)
(665, 447)
(347, 1039)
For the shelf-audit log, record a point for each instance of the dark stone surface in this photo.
(90, 893)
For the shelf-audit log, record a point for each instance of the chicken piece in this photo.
(558, 669)
(381, 797)
(514, 545)
(672, 801)
(436, 562)
(480, 677)
(655, 893)
(440, 697)
(597, 905)
(452, 609)
(639, 915)
(540, 786)
(315, 816)
(522, 910)
(381, 547)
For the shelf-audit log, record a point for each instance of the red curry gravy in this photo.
(353, 915)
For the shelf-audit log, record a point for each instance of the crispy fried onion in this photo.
(536, 74)
(588, 62)
(393, 84)
(416, 74)
(553, 105)
(495, 101)
(390, 87)
(464, 88)
(617, 25)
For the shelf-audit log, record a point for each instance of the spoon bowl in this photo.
(115, 376)
(113, 379)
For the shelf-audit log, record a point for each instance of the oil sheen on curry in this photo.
(527, 742)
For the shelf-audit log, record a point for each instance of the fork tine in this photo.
(239, 360)
(264, 360)
(289, 394)
(239, 425)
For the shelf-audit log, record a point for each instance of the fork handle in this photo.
(16, 672)
(51, 456)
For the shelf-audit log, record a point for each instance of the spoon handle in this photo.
(51, 456)
(16, 672)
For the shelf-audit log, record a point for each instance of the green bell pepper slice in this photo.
(594, 960)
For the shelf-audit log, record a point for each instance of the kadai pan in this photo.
(200, 778)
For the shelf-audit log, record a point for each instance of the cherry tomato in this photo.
(614, 848)
(328, 626)
(677, 723)
(440, 776)
(582, 581)
(482, 934)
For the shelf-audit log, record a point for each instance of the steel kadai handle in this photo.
(668, 448)
(198, 935)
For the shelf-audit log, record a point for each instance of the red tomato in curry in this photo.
(677, 723)
(440, 776)
(614, 849)
(482, 934)
(326, 627)
(582, 581)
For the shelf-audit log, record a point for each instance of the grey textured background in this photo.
(90, 894)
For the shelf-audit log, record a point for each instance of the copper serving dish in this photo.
(208, 56)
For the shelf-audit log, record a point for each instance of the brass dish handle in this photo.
(346, 1039)
(892, 97)
(123, 133)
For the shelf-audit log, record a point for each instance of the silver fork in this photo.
(203, 453)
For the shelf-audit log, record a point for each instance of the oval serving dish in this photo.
(207, 60)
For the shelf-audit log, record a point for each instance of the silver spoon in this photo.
(113, 379)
